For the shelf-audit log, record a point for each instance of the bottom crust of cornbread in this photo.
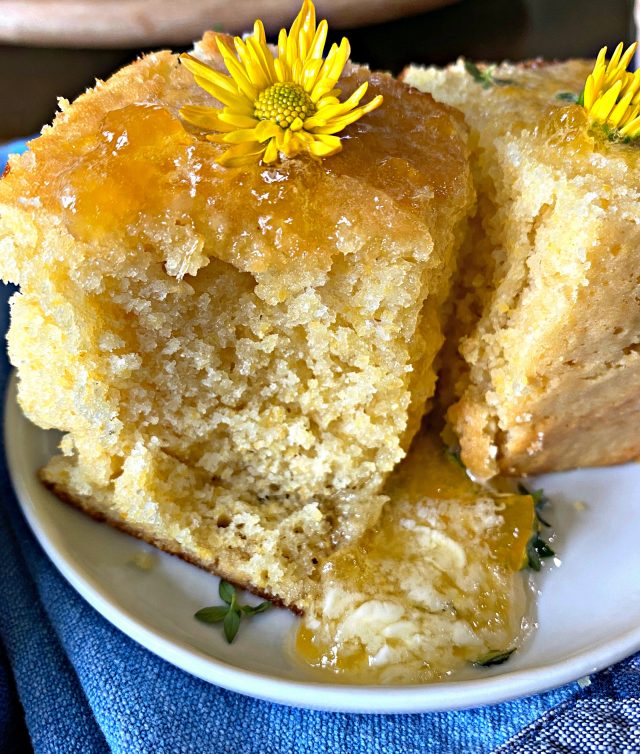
(92, 508)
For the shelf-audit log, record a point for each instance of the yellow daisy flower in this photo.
(286, 104)
(611, 94)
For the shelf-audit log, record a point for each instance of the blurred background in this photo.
(53, 48)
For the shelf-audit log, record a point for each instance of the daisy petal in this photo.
(198, 68)
(266, 130)
(632, 129)
(270, 153)
(234, 100)
(629, 116)
(282, 44)
(253, 67)
(309, 73)
(262, 54)
(319, 40)
(241, 155)
(282, 72)
(296, 70)
(240, 136)
(619, 111)
(329, 99)
(237, 120)
(322, 149)
(330, 112)
(342, 121)
(331, 70)
(604, 105)
(204, 117)
(588, 94)
(626, 58)
(263, 130)
(236, 71)
(615, 58)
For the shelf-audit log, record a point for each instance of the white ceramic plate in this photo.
(588, 607)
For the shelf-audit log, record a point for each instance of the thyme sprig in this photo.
(495, 657)
(231, 613)
(537, 548)
(540, 500)
(569, 97)
(484, 76)
(453, 454)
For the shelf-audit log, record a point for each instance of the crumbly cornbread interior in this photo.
(237, 357)
(547, 308)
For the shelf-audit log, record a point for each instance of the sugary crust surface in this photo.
(547, 307)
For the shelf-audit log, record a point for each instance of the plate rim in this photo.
(317, 695)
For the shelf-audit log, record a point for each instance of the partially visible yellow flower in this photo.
(611, 94)
(286, 104)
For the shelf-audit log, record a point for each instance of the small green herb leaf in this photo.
(231, 624)
(212, 614)
(567, 97)
(496, 657)
(485, 76)
(540, 500)
(543, 549)
(226, 592)
(230, 613)
(532, 556)
(454, 456)
(481, 77)
(537, 550)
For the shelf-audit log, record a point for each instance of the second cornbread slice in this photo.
(548, 303)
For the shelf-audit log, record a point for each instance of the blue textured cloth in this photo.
(79, 685)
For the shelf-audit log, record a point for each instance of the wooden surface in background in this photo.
(32, 78)
(125, 23)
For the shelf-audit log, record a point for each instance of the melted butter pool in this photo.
(435, 587)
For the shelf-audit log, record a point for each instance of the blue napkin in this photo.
(71, 682)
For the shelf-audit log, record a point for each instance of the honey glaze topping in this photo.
(433, 589)
(120, 164)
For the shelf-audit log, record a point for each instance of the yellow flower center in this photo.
(282, 103)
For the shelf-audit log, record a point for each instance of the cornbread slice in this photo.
(548, 306)
(238, 356)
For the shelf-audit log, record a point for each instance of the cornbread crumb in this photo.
(144, 560)
(238, 357)
(547, 309)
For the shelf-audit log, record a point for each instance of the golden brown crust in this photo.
(85, 505)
